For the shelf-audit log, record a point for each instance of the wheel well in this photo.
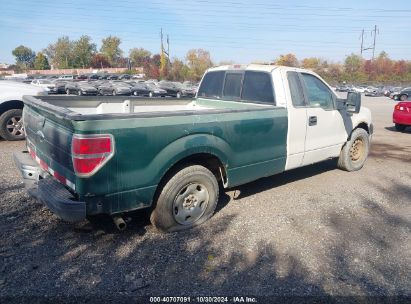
(11, 104)
(209, 161)
(364, 126)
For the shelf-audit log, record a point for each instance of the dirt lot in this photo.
(312, 231)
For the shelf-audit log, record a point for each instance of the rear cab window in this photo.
(247, 86)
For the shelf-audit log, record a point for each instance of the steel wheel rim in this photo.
(15, 126)
(190, 203)
(357, 150)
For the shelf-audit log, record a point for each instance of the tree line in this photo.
(83, 53)
(355, 69)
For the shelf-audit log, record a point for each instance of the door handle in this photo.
(312, 120)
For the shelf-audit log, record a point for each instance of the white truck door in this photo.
(297, 120)
(326, 132)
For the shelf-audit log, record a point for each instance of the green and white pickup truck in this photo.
(110, 155)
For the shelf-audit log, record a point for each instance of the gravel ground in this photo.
(313, 231)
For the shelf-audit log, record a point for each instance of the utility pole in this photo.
(375, 36)
(362, 40)
(373, 33)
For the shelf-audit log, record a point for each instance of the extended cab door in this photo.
(326, 132)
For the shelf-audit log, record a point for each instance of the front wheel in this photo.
(11, 125)
(355, 151)
(188, 199)
(403, 97)
(400, 127)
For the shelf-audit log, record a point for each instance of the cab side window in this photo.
(257, 87)
(212, 85)
(296, 89)
(318, 94)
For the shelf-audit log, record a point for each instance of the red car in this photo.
(402, 115)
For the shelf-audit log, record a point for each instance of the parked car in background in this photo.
(124, 77)
(138, 88)
(66, 77)
(11, 106)
(401, 116)
(46, 84)
(404, 94)
(60, 86)
(113, 88)
(112, 77)
(81, 77)
(155, 91)
(394, 93)
(359, 89)
(171, 88)
(373, 92)
(81, 88)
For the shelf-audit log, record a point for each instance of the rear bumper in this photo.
(47, 190)
(401, 118)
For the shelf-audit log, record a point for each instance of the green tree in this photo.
(99, 61)
(41, 62)
(83, 51)
(198, 61)
(24, 56)
(179, 71)
(111, 49)
(353, 63)
(60, 53)
(138, 56)
(287, 60)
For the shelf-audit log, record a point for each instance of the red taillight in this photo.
(91, 145)
(399, 107)
(91, 152)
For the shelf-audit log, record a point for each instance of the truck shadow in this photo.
(285, 178)
(357, 251)
(392, 128)
(384, 151)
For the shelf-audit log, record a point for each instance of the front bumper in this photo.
(47, 190)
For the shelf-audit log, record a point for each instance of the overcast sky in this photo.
(241, 31)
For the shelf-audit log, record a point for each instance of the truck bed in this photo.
(109, 107)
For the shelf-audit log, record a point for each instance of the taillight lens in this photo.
(400, 107)
(91, 152)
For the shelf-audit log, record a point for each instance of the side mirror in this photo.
(353, 102)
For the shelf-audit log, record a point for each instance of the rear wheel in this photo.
(187, 199)
(403, 97)
(355, 151)
(11, 125)
(400, 127)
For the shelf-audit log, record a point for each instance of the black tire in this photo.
(11, 125)
(399, 127)
(187, 199)
(355, 151)
(403, 97)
